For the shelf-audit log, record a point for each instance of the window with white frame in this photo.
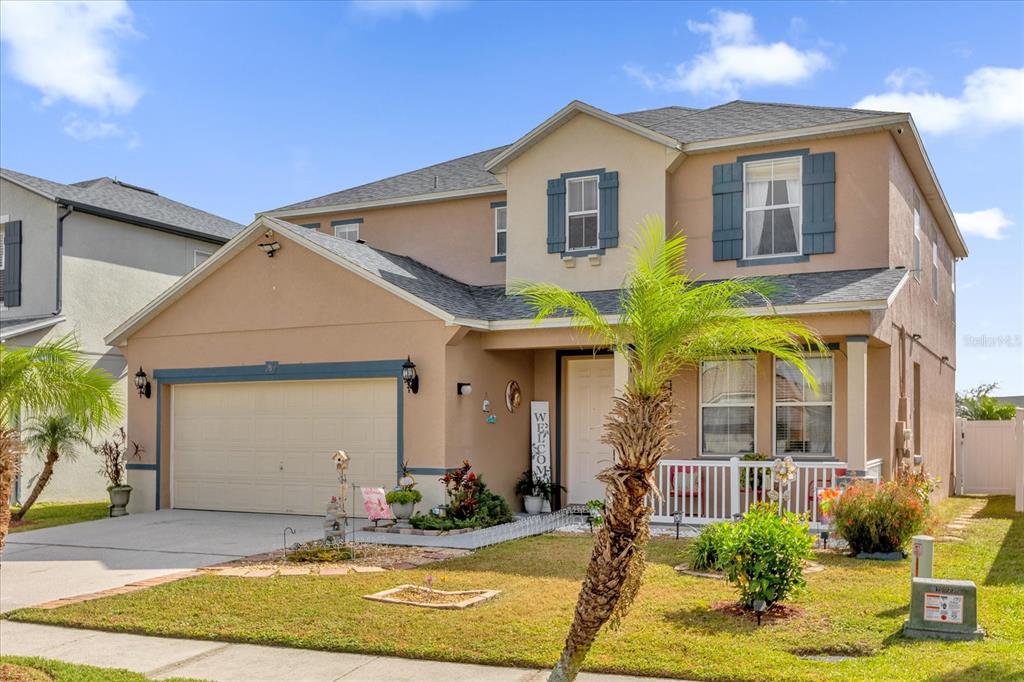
(582, 212)
(771, 212)
(311, 226)
(917, 239)
(804, 419)
(727, 400)
(349, 231)
(935, 272)
(199, 257)
(500, 230)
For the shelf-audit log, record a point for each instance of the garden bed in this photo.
(414, 595)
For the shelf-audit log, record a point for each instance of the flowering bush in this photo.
(763, 554)
(875, 517)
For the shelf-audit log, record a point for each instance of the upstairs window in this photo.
(917, 238)
(935, 272)
(500, 230)
(582, 211)
(771, 212)
(347, 229)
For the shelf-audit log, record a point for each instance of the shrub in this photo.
(874, 517)
(403, 496)
(704, 552)
(471, 504)
(318, 551)
(763, 553)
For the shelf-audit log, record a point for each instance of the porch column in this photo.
(857, 402)
(621, 373)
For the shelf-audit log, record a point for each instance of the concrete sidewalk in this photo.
(160, 657)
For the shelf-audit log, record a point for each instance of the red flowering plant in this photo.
(880, 517)
(463, 488)
(827, 498)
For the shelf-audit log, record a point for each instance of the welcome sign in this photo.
(540, 440)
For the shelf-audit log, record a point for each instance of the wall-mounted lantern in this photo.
(142, 383)
(463, 388)
(409, 376)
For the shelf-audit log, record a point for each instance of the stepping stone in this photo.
(335, 570)
(419, 560)
(260, 573)
(293, 570)
(956, 526)
(403, 566)
(367, 569)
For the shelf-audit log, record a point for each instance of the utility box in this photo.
(922, 553)
(943, 609)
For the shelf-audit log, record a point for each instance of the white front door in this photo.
(591, 387)
(266, 446)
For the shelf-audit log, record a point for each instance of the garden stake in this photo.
(284, 538)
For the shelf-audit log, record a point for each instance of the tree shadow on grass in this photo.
(710, 621)
(1008, 566)
(980, 671)
(894, 612)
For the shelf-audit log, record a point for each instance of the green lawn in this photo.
(24, 669)
(853, 607)
(46, 514)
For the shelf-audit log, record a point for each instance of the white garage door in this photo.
(266, 446)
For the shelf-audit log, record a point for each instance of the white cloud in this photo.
(989, 223)
(992, 97)
(67, 50)
(394, 8)
(737, 58)
(910, 77)
(86, 131)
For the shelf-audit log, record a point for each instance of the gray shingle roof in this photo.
(113, 196)
(10, 327)
(682, 123)
(492, 303)
(466, 172)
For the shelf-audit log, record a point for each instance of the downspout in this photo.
(60, 257)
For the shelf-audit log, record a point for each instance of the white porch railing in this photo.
(707, 491)
(873, 469)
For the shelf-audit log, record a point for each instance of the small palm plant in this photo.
(49, 378)
(53, 438)
(667, 322)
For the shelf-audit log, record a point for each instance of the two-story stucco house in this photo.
(79, 258)
(290, 342)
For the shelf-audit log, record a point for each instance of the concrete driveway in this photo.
(52, 563)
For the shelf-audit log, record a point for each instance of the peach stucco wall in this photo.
(455, 237)
(294, 308)
(862, 221)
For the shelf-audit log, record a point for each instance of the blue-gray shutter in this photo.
(727, 225)
(819, 221)
(12, 264)
(556, 215)
(608, 186)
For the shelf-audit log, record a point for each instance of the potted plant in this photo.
(114, 453)
(546, 490)
(403, 503)
(526, 489)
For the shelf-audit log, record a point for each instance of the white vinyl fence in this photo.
(706, 491)
(990, 455)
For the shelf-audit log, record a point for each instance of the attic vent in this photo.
(435, 182)
(134, 187)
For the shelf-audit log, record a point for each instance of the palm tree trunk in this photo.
(37, 489)
(10, 460)
(638, 429)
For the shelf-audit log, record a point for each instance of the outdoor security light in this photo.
(760, 608)
(270, 247)
(464, 388)
(409, 376)
(142, 383)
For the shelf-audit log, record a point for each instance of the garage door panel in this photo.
(267, 446)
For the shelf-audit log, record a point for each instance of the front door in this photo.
(591, 387)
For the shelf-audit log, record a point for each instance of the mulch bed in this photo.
(778, 612)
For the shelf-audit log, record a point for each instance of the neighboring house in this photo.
(79, 258)
(264, 366)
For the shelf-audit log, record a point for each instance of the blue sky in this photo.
(237, 107)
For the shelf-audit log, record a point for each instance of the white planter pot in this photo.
(403, 512)
(533, 504)
(119, 497)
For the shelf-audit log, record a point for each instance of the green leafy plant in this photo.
(753, 478)
(403, 496)
(704, 553)
(53, 438)
(432, 522)
(976, 403)
(875, 517)
(595, 508)
(763, 553)
(524, 486)
(471, 504)
(547, 489)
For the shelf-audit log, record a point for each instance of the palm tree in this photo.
(667, 322)
(49, 378)
(53, 438)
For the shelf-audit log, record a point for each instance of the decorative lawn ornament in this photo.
(513, 396)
